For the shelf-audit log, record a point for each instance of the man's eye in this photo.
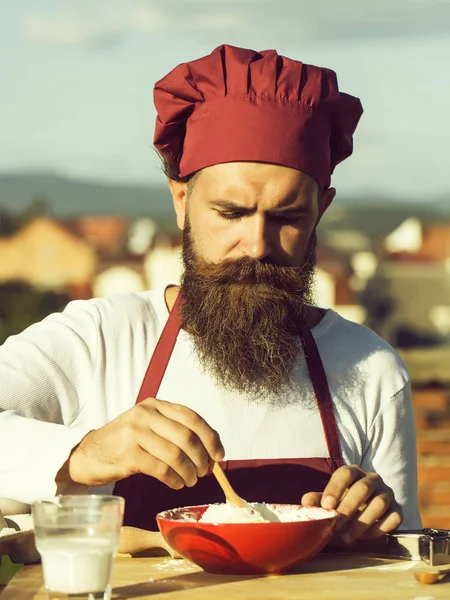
(288, 219)
(234, 216)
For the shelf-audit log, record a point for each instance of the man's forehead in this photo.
(241, 179)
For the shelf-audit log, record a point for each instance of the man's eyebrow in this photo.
(228, 205)
(283, 212)
(280, 212)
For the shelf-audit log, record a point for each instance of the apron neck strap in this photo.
(161, 355)
(322, 392)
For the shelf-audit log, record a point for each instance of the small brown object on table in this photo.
(327, 577)
(429, 575)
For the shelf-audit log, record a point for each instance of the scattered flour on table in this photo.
(176, 565)
(261, 513)
(400, 566)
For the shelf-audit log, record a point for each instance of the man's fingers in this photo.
(391, 520)
(376, 511)
(359, 496)
(166, 441)
(365, 503)
(174, 459)
(311, 499)
(190, 419)
(184, 438)
(342, 478)
(149, 465)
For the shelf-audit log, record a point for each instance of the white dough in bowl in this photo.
(263, 513)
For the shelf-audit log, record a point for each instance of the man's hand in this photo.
(167, 441)
(367, 505)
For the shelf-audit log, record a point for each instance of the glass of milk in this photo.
(77, 538)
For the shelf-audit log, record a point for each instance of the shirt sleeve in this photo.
(392, 453)
(46, 375)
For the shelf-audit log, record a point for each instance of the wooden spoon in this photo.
(227, 488)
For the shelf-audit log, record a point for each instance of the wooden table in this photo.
(324, 578)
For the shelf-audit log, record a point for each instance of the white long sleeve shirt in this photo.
(79, 369)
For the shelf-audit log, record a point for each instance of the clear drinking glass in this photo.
(77, 538)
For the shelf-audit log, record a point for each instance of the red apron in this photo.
(274, 480)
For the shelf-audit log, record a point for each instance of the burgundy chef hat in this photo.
(242, 105)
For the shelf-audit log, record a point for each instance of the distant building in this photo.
(364, 266)
(141, 236)
(104, 233)
(413, 291)
(405, 238)
(347, 241)
(436, 243)
(425, 242)
(156, 262)
(118, 279)
(409, 296)
(163, 264)
(333, 285)
(46, 255)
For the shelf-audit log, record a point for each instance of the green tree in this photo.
(8, 223)
(22, 305)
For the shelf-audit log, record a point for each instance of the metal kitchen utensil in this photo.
(431, 546)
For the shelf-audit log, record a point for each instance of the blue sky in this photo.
(77, 77)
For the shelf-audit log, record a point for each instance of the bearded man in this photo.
(138, 392)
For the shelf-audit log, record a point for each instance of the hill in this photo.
(373, 215)
(69, 197)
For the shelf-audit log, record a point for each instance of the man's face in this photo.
(249, 255)
(263, 211)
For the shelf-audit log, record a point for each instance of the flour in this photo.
(176, 565)
(400, 566)
(263, 513)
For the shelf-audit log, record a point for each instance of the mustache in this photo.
(248, 270)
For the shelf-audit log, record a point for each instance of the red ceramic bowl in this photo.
(244, 548)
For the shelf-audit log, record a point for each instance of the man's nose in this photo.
(255, 242)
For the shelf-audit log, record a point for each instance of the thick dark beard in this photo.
(245, 317)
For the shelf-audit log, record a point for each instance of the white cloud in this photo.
(297, 20)
(147, 18)
(214, 22)
(71, 29)
(82, 23)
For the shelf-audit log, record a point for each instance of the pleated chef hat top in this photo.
(240, 105)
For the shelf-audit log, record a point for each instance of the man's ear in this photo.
(179, 197)
(325, 199)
